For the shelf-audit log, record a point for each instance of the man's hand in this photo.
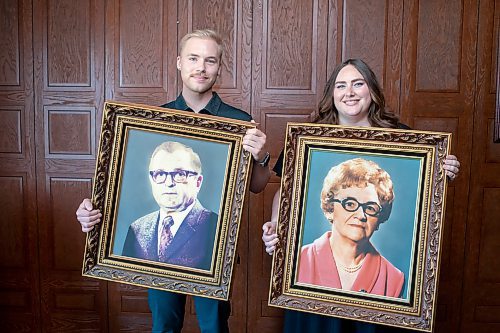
(87, 216)
(253, 142)
(269, 236)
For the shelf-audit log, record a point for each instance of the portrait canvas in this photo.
(375, 195)
(395, 237)
(170, 185)
(136, 199)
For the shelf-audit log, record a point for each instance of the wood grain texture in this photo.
(439, 45)
(437, 61)
(19, 271)
(289, 51)
(11, 136)
(479, 308)
(10, 44)
(70, 132)
(68, 43)
(141, 49)
(366, 38)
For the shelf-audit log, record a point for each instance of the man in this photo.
(182, 231)
(199, 63)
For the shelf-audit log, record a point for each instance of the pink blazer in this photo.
(376, 276)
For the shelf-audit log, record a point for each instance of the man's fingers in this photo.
(87, 204)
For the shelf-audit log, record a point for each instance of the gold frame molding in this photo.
(426, 150)
(120, 121)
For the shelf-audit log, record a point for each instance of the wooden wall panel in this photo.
(10, 40)
(19, 267)
(140, 61)
(289, 65)
(481, 281)
(70, 132)
(11, 136)
(439, 46)
(59, 60)
(439, 90)
(141, 46)
(488, 259)
(13, 235)
(69, 43)
(69, 72)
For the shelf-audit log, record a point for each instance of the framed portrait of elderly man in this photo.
(360, 222)
(170, 186)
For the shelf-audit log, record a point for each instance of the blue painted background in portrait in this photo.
(136, 199)
(394, 238)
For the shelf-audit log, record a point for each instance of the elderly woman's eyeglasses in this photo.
(352, 205)
(178, 176)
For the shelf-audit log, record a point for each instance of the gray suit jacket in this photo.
(191, 246)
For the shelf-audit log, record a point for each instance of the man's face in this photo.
(199, 63)
(174, 182)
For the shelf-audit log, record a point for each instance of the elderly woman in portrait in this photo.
(356, 198)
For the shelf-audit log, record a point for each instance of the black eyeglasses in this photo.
(352, 205)
(178, 176)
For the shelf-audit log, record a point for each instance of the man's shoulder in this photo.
(403, 126)
(169, 105)
(148, 218)
(229, 111)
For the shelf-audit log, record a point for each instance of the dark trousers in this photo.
(168, 312)
(296, 322)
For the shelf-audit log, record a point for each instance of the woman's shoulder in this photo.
(317, 245)
(402, 126)
(395, 278)
(391, 269)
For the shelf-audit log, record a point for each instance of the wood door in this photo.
(480, 308)
(59, 61)
(19, 272)
(437, 84)
(68, 43)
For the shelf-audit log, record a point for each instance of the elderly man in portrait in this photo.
(182, 231)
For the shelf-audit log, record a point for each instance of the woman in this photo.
(356, 198)
(352, 97)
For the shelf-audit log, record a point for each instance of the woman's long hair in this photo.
(378, 116)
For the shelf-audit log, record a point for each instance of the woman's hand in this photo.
(87, 216)
(451, 166)
(269, 236)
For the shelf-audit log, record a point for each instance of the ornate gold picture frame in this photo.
(376, 194)
(204, 195)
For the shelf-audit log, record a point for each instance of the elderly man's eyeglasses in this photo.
(352, 205)
(178, 176)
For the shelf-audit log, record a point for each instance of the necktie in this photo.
(165, 238)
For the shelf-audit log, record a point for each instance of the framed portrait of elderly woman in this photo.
(170, 186)
(360, 222)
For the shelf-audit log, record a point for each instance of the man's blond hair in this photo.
(202, 34)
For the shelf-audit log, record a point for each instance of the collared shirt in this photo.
(178, 218)
(215, 107)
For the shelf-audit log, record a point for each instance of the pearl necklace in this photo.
(351, 269)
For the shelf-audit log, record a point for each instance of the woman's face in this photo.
(351, 96)
(357, 225)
